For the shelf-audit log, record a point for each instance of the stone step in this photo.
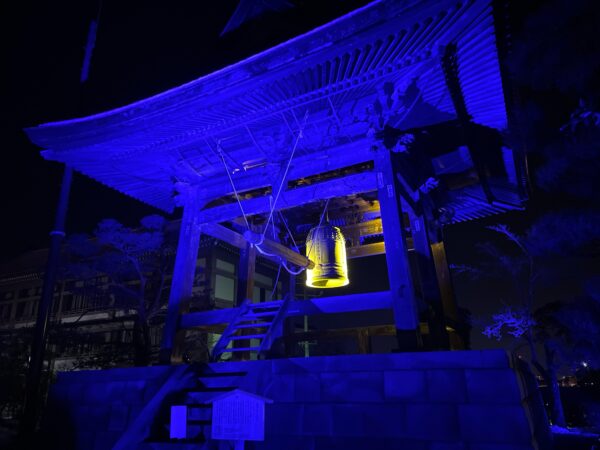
(199, 413)
(199, 397)
(224, 381)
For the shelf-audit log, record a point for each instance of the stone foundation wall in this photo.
(468, 400)
(440, 400)
(91, 409)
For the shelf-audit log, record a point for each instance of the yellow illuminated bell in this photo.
(326, 247)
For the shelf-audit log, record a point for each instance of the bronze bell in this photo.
(326, 247)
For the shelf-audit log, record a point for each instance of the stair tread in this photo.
(263, 314)
(272, 304)
(254, 325)
(247, 336)
(273, 309)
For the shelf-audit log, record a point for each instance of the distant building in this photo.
(89, 324)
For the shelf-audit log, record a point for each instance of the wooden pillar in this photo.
(183, 274)
(444, 280)
(401, 284)
(245, 278)
(428, 278)
(288, 325)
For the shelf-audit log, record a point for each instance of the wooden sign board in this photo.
(239, 415)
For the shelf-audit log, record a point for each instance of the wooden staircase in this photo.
(254, 321)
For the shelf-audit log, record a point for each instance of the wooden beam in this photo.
(377, 248)
(401, 284)
(269, 246)
(277, 249)
(335, 158)
(225, 234)
(324, 305)
(352, 184)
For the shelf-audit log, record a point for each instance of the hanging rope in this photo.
(276, 281)
(237, 197)
(273, 203)
(287, 168)
(288, 230)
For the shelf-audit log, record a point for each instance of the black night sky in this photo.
(144, 48)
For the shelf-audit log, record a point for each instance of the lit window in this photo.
(224, 288)
(256, 294)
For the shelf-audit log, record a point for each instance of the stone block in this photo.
(116, 390)
(284, 443)
(448, 446)
(98, 416)
(500, 447)
(150, 391)
(283, 419)
(134, 411)
(119, 417)
(307, 387)
(395, 361)
(96, 393)
(384, 420)
(446, 385)
(368, 443)
(348, 420)
(317, 420)
(134, 392)
(434, 422)
(493, 386)
(494, 424)
(105, 440)
(352, 387)
(404, 385)
(280, 388)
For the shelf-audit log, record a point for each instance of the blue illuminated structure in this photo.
(332, 99)
(397, 106)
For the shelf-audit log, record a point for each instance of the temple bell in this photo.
(326, 247)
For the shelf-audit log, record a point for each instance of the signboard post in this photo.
(238, 416)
